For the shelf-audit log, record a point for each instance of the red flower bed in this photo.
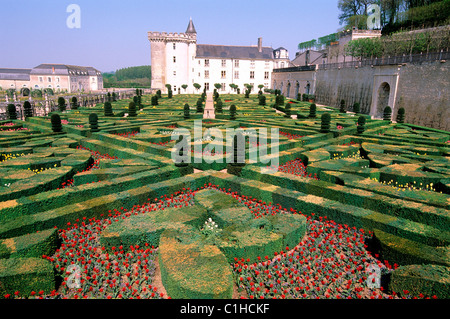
(331, 261)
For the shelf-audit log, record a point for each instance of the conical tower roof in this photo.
(191, 28)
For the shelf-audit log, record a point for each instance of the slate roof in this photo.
(233, 52)
(191, 28)
(15, 74)
(63, 69)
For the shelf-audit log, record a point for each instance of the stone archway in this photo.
(384, 92)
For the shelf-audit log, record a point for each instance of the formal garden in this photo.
(93, 206)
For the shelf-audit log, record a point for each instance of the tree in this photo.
(197, 86)
(154, 100)
(184, 86)
(218, 86)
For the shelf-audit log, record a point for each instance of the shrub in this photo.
(312, 110)
(199, 105)
(356, 108)
(158, 94)
(361, 124)
(108, 97)
(186, 112)
(155, 99)
(93, 122)
(247, 93)
(279, 100)
(169, 94)
(114, 97)
(342, 107)
(56, 123)
(108, 109)
(12, 114)
(132, 109)
(61, 104)
(232, 112)
(387, 112)
(305, 97)
(219, 106)
(401, 115)
(325, 123)
(299, 97)
(27, 109)
(74, 104)
(262, 100)
(287, 110)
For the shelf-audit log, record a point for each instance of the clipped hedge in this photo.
(26, 275)
(30, 245)
(429, 280)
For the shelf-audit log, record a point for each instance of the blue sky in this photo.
(113, 34)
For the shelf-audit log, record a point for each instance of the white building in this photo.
(177, 59)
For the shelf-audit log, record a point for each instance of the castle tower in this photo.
(172, 57)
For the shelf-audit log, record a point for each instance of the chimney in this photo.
(260, 45)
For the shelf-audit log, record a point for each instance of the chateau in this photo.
(178, 60)
(59, 77)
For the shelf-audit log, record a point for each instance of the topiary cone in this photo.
(93, 122)
(108, 109)
(325, 123)
(361, 125)
(56, 123)
(132, 109)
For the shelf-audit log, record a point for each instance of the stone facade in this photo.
(177, 59)
(420, 88)
(58, 77)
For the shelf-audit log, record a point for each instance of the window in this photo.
(224, 63)
(207, 86)
(236, 74)
(41, 79)
(252, 74)
(174, 73)
(206, 62)
(174, 46)
(223, 74)
(57, 79)
(266, 75)
(266, 85)
(223, 86)
(174, 59)
(49, 79)
(236, 63)
(206, 74)
(252, 63)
